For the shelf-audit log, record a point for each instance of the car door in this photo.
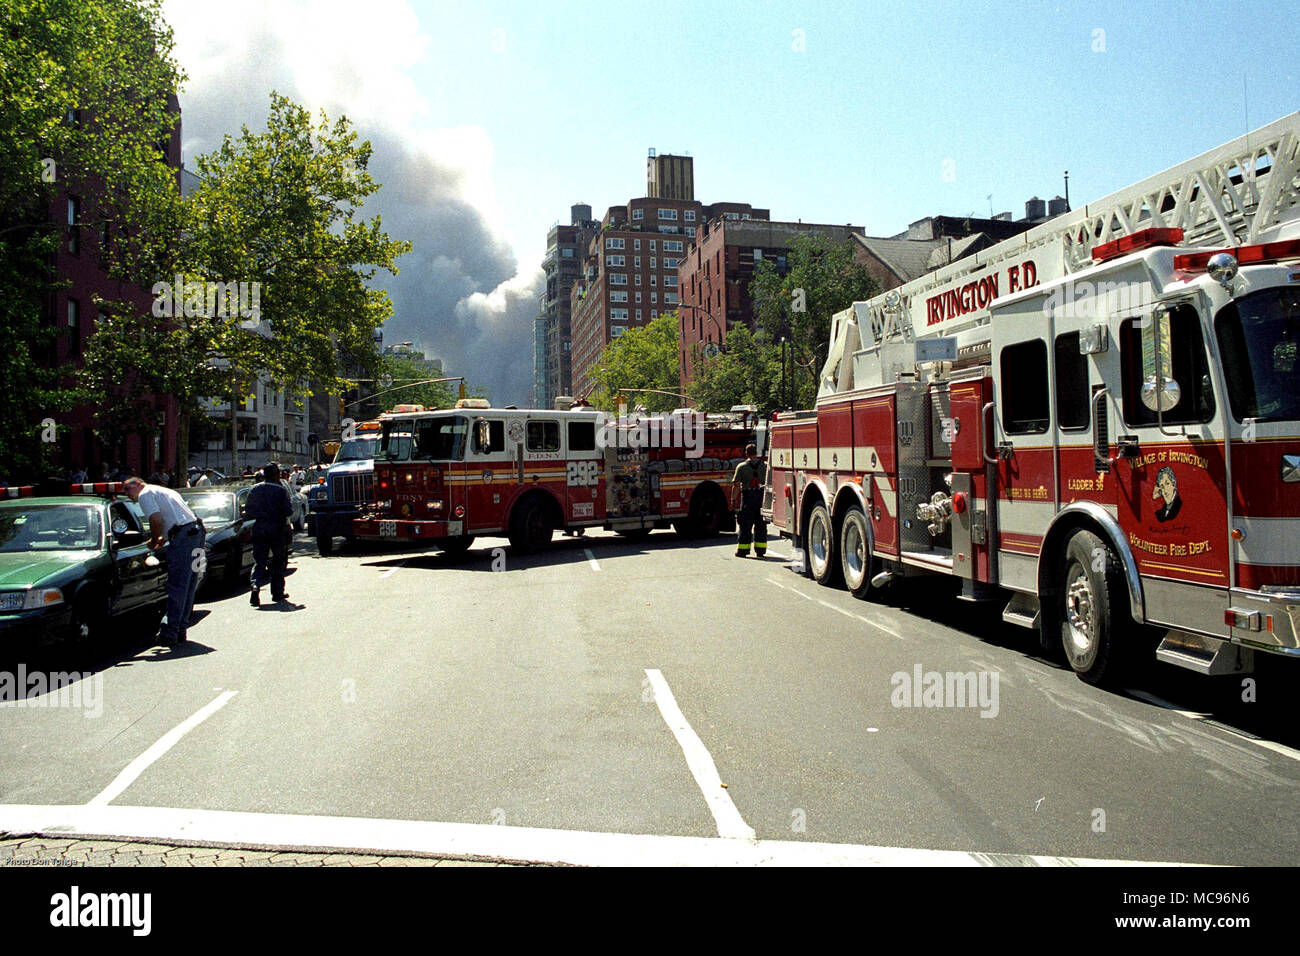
(137, 582)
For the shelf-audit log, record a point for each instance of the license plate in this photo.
(11, 602)
(388, 529)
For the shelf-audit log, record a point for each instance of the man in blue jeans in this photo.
(169, 517)
(270, 507)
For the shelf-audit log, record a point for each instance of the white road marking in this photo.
(163, 744)
(774, 554)
(591, 559)
(839, 610)
(699, 761)
(295, 832)
(1277, 748)
(393, 568)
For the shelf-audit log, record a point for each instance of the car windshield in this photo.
(212, 508)
(50, 528)
(1258, 336)
(357, 449)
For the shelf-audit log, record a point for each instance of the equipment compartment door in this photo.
(585, 473)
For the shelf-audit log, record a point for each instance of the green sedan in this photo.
(70, 565)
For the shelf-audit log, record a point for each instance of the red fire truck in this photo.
(445, 477)
(1097, 421)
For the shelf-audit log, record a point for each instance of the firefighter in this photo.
(749, 478)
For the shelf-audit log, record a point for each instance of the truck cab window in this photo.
(489, 436)
(1072, 392)
(1024, 388)
(582, 436)
(1181, 357)
(543, 436)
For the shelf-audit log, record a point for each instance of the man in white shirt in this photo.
(171, 518)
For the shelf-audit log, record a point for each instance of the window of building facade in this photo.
(667, 213)
(612, 242)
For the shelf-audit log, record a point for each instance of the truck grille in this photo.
(352, 489)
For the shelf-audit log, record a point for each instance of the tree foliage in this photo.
(822, 279)
(84, 106)
(641, 358)
(748, 372)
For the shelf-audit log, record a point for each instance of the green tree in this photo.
(85, 101)
(398, 371)
(822, 279)
(748, 372)
(269, 275)
(643, 358)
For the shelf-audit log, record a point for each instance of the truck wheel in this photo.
(823, 562)
(706, 515)
(530, 530)
(1094, 635)
(325, 545)
(856, 563)
(456, 546)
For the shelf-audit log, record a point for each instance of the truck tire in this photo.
(823, 562)
(325, 545)
(530, 529)
(708, 509)
(1096, 631)
(857, 566)
(456, 546)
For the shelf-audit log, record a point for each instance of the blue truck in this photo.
(348, 484)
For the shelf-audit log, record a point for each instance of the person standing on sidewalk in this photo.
(169, 517)
(270, 506)
(749, 478)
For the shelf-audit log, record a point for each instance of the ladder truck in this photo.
(1097, 421)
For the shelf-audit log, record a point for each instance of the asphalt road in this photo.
(535, 692)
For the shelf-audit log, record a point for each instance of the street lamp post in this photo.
(708, 315)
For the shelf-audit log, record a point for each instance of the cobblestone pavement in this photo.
(46, 851)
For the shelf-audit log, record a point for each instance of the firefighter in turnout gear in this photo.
(749, 478)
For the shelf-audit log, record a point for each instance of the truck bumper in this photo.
(406, 530)
(333, 523)
(1267, 619)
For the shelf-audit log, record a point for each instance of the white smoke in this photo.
(461, 295)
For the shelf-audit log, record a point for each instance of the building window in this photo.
(744, 215)
(638, 298)
(758, 255)
(670, 298)
(667, 213)
(74, 231)
(616, 330)
(654, 313)
(618, 315)
(671, 230)
(638, 315)
(613, 243)
(671, 263)
(690, 215)
(672, 245)
(731, 215)
(670, 281)
(636, 262)
(618, 297)
(638, 214)
(654, 298)
(652, 245)
(636, 244)
(653, 278)
(618, 278)
(74, 327)
(637, 277)
(566, 253)
(654, 262)
(615, 261)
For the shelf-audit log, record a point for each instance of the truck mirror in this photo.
(482, 436)
(1160, 391)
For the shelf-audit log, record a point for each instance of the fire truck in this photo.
(445, 477)
(1097, 421)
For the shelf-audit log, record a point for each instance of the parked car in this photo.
(71, 565)
(229, 543)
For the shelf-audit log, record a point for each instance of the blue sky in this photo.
(858, 125)
(490, 118)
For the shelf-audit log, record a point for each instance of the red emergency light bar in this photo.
(98, 488)
(1245, 255)
(1142, 239)
(92, 488)
(17, 491)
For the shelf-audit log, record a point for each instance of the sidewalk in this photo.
(47, 851)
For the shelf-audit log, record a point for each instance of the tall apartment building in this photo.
(566, 246)
(714, 275)
(630, 270)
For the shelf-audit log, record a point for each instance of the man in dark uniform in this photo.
(269, 505)
(749, 477)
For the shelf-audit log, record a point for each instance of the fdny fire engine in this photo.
(445, 477)
(1097, 421)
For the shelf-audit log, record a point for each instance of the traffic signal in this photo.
(342, 407)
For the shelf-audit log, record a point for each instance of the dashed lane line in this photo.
(393, 569)
(591, 559)
(165, 743)
(730, 824)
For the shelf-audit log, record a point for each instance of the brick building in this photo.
(714, 276)
(566, 248)
(630, 270)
